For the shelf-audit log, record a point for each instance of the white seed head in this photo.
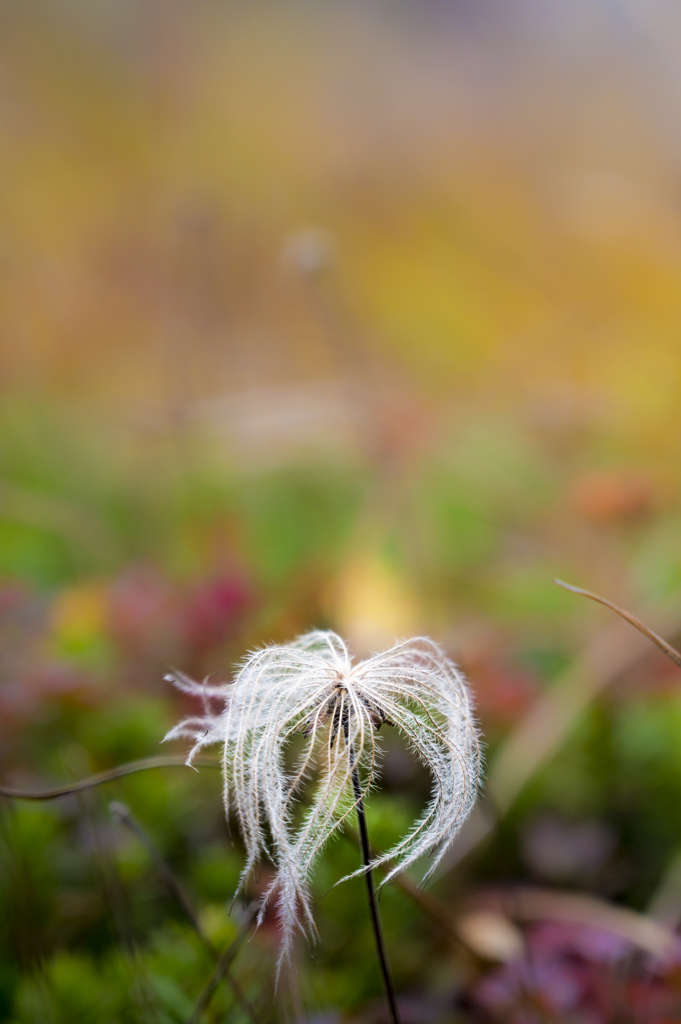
(311, 687)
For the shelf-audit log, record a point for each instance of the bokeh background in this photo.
(361, 316)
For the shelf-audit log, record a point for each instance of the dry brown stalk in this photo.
(670, 651)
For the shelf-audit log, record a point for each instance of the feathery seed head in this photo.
(311, 688)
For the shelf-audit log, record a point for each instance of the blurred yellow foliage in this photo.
(499, 227)
(373, 604)
(79, 614)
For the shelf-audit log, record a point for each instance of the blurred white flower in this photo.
(311, 687)
(310, 251)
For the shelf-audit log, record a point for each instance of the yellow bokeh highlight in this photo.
(372, 604)
(79, 614)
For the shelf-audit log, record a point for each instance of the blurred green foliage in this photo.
(92, 933)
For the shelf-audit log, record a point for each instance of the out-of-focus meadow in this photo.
(365, 317)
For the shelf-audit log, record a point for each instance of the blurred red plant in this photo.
(503, 693)
(141, 608)
(608, 496)
(213, 613)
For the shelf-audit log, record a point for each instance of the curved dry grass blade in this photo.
(144, 764)
(554, 715)
(665, 903)
(670, 651)
(533, 904)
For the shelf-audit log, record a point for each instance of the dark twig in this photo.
(171, 761)
(670, 651)
(371, 891)
(116, 899)
(222, 966)
(22, 922)
(431, 908)
(124, 816)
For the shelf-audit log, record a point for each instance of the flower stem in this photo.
(371, 892)
(171, 761)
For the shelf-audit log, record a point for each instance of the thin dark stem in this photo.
(123, 815)
(371, 891)
(222, 966)
(170, 761)
(116, 897)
